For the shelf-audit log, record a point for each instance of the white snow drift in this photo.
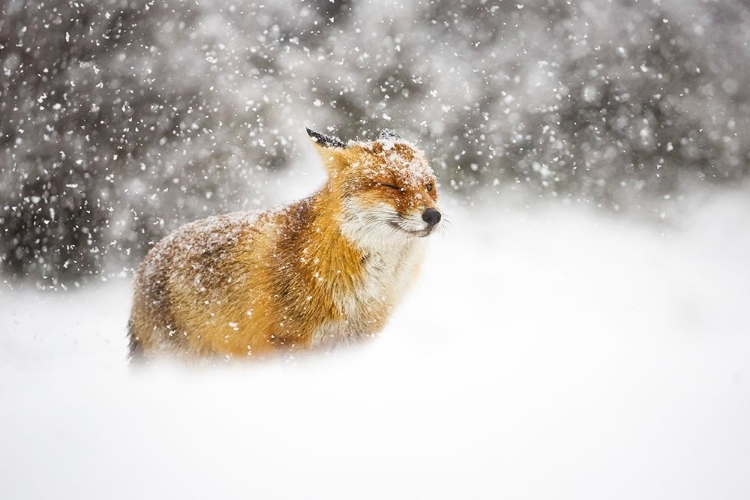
(546, 353)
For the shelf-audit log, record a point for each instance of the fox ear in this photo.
(324, 140)
(388, 135)
(332, 151)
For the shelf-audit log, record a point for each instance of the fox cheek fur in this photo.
(324, 271)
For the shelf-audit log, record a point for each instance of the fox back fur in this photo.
(326, 270)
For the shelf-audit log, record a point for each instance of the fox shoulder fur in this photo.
(326, 270)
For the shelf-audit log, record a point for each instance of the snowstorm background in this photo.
(121, 120)
(580, 328)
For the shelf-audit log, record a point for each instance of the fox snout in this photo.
(431, 216)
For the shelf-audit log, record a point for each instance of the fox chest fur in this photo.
(324, 271)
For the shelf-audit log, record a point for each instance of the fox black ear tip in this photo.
(315, 136)
(388, 134)
(324, 140)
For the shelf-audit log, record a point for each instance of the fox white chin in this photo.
(374, 229)
(410, 231)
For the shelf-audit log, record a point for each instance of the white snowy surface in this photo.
(545, 353)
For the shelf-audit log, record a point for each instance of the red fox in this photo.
(323, 271)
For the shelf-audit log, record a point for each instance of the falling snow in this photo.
(163, 112)
(582, 320)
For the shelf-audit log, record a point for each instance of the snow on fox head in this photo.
(386, 188)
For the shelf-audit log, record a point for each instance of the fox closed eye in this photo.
(391, 186)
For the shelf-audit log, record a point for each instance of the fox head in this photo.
(386, 188)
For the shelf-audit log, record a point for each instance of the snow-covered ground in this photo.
(546, 353)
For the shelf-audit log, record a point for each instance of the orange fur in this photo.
(323, 271)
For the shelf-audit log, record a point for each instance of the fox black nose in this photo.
(431, 216)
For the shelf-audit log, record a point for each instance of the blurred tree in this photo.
(122, 111)
(120, 120)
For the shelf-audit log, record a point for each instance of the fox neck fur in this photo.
(359, 276)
